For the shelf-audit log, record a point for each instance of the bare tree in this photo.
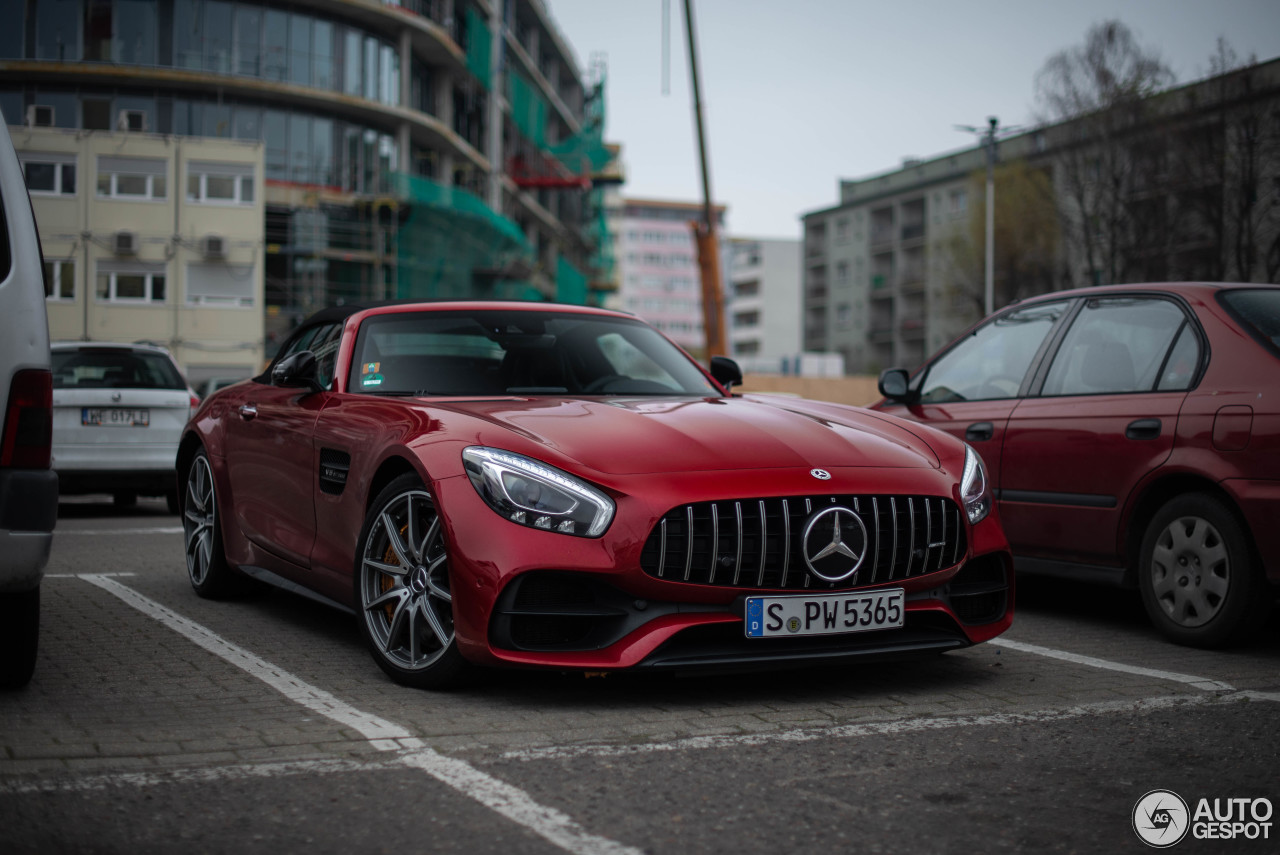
(1102, 89)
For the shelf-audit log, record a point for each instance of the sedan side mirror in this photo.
(894, 386)
(726, 372)
(297, 370)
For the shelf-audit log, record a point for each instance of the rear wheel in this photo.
(19, 637)
(1200, 583)
(207, 566)
(403, 593)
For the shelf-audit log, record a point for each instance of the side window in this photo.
(1118, 345)
(325, 347)
(991, 362)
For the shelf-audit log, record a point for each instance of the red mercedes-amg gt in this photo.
(525, 484)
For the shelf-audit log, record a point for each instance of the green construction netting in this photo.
(571, 285)
(453, 246)
(479, 46)
(583, 153)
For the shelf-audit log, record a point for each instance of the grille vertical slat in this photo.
(889, 553)
(786, 541)
(688, 533)
(715, 543)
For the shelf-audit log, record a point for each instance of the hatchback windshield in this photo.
(518, 353)
(114, 368)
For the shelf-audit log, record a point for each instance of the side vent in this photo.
(334, 466)
(125, 243)
(40, 116)
(214, 247)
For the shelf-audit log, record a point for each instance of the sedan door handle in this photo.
(979, 432)
(1143, 429)
(248, 411)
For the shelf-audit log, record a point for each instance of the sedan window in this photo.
(1258, 311)
(1118, 345)
(991, 362)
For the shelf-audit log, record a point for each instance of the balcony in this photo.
(912, 328)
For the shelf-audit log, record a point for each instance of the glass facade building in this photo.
(348, 100)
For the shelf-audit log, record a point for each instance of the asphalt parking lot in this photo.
(159, 722)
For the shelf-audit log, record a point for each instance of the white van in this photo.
(28, 485)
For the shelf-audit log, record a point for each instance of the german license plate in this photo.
(110, 417)
(824, 614)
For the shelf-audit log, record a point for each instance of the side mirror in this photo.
(893, 385)
(726, 372)
(297, 370)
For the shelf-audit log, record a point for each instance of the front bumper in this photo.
(528, 598)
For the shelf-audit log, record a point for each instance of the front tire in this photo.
(1200, 583)
(211, 576)
(402, 589)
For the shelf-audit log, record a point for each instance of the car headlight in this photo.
(974, 491)
(535, 494)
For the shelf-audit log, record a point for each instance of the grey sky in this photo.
(800, 94)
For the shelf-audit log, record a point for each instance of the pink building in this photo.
(658, 263)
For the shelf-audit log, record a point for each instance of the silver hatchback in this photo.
(118, 413)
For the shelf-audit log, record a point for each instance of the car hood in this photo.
(624, 436)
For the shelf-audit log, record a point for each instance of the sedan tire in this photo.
(402, 588)
(1200, 582)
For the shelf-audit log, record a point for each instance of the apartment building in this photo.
(764, 303)
(160, 243)
(658, 267)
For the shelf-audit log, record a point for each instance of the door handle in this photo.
(248, 411)
(979, 432)
(1143, 429)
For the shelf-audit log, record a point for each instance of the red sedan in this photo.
(530, 485)
(1132, 434)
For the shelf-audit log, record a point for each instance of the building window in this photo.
(844, 316)
(842, 230)
(135, 283)
(132, 178)
(59, 280)
(221, 284)
(220, 183)
(959, 202)
(746, 319)
(50, 174)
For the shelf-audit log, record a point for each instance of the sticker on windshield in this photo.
(370, 367)
(371, 380)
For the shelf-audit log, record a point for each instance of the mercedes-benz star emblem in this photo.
(820, 474)
(835, 542)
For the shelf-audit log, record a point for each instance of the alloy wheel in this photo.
(405, 599)
(199, 520)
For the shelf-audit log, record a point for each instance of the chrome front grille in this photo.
(756, 543)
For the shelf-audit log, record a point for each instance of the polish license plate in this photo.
(824, 614)
(111, 417)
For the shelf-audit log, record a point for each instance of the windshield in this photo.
(114, 368)
(518, 353)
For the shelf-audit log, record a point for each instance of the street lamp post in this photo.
(988, 135)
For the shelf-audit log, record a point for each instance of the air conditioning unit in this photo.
(213, 247)
(131, 120)
(40, 116)
(125, 243)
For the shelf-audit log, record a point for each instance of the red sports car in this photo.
(1133, 435)
(523, 484)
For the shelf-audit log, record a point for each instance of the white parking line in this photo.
(1198, 682)
(511, 802)
(875, 728)
(98, 532)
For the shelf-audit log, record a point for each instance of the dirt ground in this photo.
(859, 390)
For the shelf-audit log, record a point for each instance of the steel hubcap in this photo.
(1190, 571)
